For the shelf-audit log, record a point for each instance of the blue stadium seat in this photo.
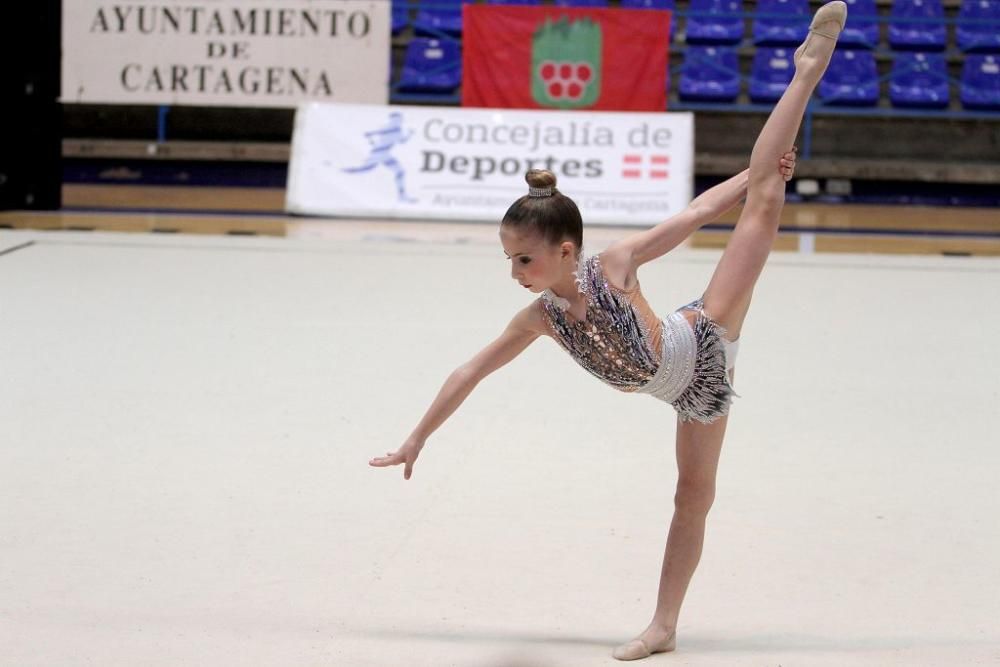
(927, 36)
(770, 73)
(919, 80)
(860, 33)
(514, 2)
(851, 79)
(654, 4)
(714, 29)
(710, 74)
(582, 3)
(400, 16)
(980, 87)
(788, 30)
(431, 66)
(984, 34)
(441, 16)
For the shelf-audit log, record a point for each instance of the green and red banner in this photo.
(551, 57)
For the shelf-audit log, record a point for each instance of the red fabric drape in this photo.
(614, 59)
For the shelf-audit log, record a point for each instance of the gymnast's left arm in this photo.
(707, 207)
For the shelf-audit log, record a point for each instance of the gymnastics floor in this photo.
(187, 421)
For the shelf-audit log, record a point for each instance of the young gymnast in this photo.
(592, 307)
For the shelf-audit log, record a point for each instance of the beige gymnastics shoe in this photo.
(638, 649)
(828, 21)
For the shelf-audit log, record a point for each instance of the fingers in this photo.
(390, 459)
(787, 164)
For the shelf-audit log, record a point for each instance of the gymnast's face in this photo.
(536, 264)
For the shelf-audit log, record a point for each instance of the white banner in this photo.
(254, 53)
(469, 164)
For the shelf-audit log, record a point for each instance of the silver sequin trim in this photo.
(647, 335)
(676, 369)
(609, 342)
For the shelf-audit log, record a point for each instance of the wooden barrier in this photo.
(174, 198)
(879, 229)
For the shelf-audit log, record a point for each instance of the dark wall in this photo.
(30, 115)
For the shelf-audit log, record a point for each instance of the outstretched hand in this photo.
(406, 454)
(787, 164)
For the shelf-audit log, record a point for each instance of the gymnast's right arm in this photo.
(522, 330)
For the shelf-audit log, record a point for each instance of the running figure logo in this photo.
(382, 140)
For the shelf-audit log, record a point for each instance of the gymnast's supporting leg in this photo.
(698, 448)
(726, 300)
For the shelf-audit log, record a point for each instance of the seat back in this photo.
(770, 73)
(431, 65)
(982, 33)
(772, 65)
(443, 16)
(710, 73)
(851, 78)
(917, 9)
(919, 36)
(711, 62)
(861, 31)
(781, 22)
(714, 22)
(851, 67)
(916, 69)
(981, 81)
(919, 80)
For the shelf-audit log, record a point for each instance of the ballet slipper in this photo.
(834, 13)
(638, 648)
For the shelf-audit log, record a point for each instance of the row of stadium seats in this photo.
(917, 80)
(712, 74)
(917, 25)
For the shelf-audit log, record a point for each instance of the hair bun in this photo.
(540, 178)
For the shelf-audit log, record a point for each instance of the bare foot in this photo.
(654, 639)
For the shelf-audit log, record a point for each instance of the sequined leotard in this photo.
(623, 343)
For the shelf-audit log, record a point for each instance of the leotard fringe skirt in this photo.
(693, 374)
